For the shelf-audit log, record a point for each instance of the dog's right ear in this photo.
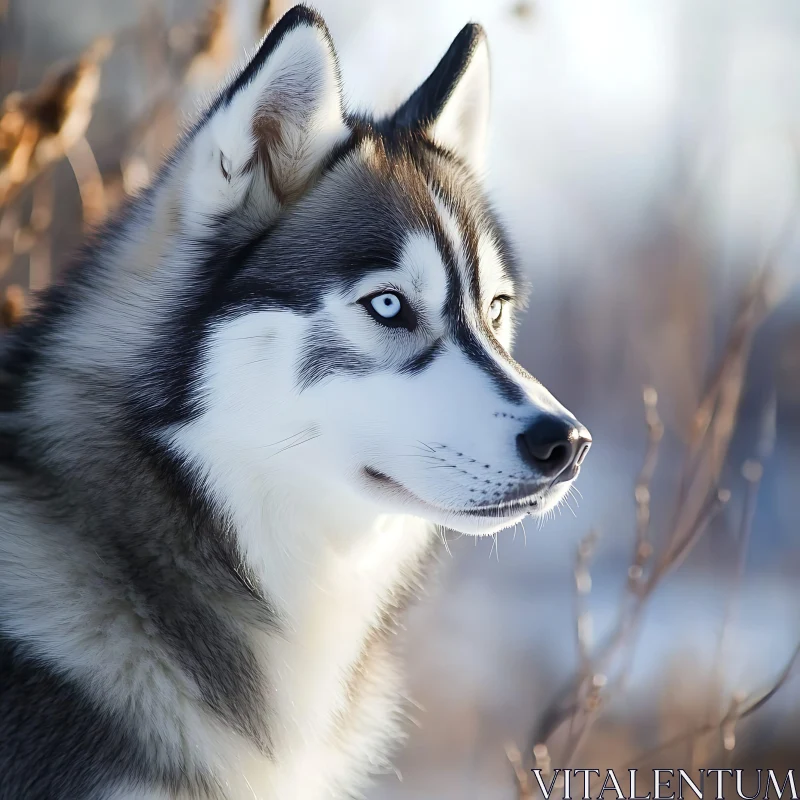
(452, 104)
(267, 135)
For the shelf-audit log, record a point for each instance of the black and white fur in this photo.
(219, 463)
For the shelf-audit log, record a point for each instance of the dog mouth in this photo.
(527, 499)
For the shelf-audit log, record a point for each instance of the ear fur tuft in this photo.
(269, 132)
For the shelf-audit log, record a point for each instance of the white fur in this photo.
(328, 559)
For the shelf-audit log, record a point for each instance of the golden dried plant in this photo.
(39, 127)
(12, 306)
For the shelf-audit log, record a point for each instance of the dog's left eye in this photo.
(390, 309)
(496, 310)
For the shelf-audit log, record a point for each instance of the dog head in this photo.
(357, 300)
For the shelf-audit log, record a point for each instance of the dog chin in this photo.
(492, 523)
(483, 526)
(475, 525)
(469, 522)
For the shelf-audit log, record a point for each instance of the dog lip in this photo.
(563, 478)
(505, 508)
(381, 477)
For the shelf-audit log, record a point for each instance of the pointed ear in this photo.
(266, 137)
(452, 105)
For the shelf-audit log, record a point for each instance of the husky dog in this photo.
(227, 436)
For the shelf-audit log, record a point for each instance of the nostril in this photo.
(555, 447)
(583, 449)
(550, 454)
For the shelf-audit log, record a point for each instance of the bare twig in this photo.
(736, 713)
(644, 549)
(39, 268)
(752, 470)
(90, 181)
(583, 585)
(700, 498)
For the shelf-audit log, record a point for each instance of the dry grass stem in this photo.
(738, 710)
(574, 711)
(90, 181)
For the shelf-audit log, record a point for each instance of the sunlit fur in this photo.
(220, 475)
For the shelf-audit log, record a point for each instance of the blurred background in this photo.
(646, 157)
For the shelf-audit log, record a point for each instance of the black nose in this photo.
(554, 447)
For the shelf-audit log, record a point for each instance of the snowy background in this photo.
(645, 155)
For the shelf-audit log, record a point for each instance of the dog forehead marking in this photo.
(452, 232)
(494, 277)
(422, 264)
(458, 229)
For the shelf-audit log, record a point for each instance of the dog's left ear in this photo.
(452, 105)
(268, 134)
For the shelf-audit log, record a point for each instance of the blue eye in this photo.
(390, 309)
(387, 305)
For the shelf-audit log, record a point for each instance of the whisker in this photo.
(299, 434)
(566, 502)
(443, 536)
(296, 444)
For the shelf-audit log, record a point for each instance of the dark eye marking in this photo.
(390, 309)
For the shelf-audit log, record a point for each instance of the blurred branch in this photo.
(41, 127)
(753, 472)
(90, 181)
(199, 47)
(48, 123)
(9, 223)
(39, 271)
(737, 712)
(12, 306)
(201, 42)
(700, 498)
(38, 127)
(583, 585)
(271, 12)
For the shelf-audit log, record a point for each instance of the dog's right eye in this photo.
(390, 309)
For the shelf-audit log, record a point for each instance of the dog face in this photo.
(364, 299)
